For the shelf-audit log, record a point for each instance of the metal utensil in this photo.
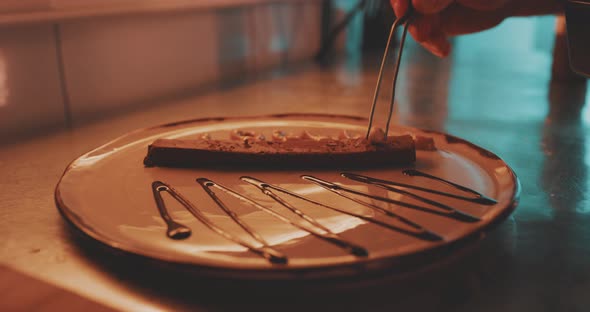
(401, 21)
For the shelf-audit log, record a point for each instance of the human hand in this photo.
(437, 20)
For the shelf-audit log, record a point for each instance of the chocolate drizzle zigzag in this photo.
(312, 226)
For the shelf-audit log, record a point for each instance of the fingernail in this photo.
(444, 47)
(433, 48)
(437, 52)
(441, 52)
(440, 45)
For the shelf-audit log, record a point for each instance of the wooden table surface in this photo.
(497, 96)
(20, 292)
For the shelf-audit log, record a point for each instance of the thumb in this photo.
(431, 6)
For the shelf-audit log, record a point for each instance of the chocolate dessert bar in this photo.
(248, 149)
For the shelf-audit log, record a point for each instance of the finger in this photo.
(438, 44)
(427, 30)
(534, 7)
(421, 27)
(400, 7)
(431, 6)
(483, 5)
(459, 20)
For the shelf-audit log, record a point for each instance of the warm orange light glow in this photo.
(3, 86)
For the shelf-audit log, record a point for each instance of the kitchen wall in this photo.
(65, 72)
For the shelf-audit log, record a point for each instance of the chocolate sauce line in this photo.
(338, 189)
(265, 251)
(420, 232)
(375, 182)
(175, 230)
(326, 235)
(233, 215)
(479, 197)
(260, 185)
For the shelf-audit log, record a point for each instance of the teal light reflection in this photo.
(486, 67)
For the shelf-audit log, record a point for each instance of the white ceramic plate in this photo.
(107, 194)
